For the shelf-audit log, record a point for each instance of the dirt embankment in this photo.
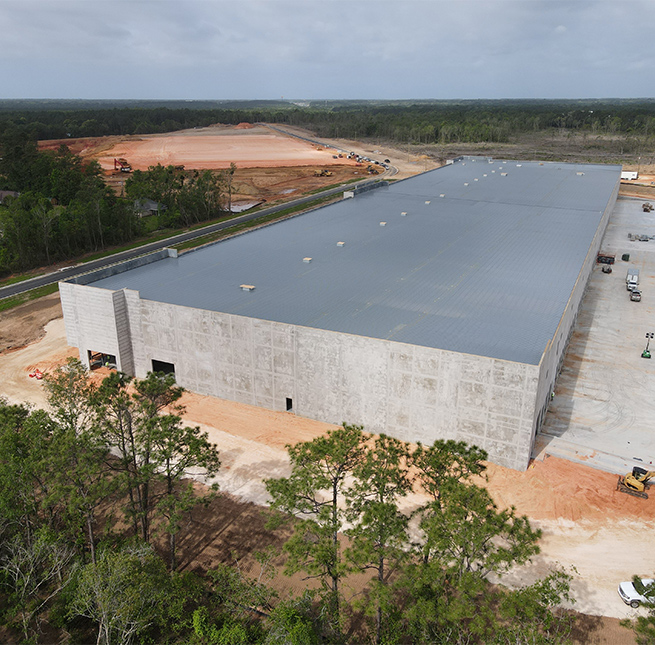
(25, 324)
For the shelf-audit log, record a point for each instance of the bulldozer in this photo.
(322, 173)
(636, 482)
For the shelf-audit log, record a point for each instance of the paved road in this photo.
(71, 272)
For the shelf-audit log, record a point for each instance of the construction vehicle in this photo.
(322, 173)
(636, 482)
(647, 207)
(122, 165)
(605, 258)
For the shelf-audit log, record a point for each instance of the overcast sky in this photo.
(332, 49)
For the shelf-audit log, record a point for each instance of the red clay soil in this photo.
(559, 489)
(204, 149)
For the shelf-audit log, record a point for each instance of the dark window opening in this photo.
(163, 367)
(289, 405)
(98, 359)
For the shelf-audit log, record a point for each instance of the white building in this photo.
(437, 307)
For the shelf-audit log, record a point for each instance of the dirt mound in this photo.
(244, 126)
(556, 489)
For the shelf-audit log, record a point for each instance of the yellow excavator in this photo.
(636, 482)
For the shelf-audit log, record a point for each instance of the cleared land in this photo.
(271, 166)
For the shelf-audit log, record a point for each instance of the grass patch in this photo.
(128, 247)
(18, 278)
(26, 296)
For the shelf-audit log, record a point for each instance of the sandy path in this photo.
(587, 524)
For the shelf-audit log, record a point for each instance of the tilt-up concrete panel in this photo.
(410, 392)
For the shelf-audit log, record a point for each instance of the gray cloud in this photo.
(218, 49)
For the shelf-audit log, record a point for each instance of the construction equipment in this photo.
(122, 165)
(636, 482)
(322, 173)
(605, 258)
(647, 207)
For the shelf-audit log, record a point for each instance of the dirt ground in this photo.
(271, 166)
(25, 324)
(586, 523)
(209, 148)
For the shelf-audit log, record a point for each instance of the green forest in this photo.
(395, 121)
(61, 209)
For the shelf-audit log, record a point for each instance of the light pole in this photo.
(646, 352)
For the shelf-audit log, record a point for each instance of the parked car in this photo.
(635, 295)
(607, 268)
(632, 597)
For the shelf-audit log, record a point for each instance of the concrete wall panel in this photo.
(412, 393)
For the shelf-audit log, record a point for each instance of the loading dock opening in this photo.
(98, 359)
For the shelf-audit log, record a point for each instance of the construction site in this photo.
(582, 428)
(270, 166)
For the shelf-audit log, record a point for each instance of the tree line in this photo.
(95, 493)
(427, 122)
(62, 208)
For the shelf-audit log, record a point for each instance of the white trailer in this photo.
(632, 279)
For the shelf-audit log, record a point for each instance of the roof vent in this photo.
(485, 174)
(307, 260)
(493, 171)
(442, 195)
(503, 174)
(383, 223)
(403, 214)
(340, 243)
(427, 202)
(466, 183)
(579, 174)
(476, 179)
(247, 287)
(518, 165)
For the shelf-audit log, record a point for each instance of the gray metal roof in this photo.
(485, 269)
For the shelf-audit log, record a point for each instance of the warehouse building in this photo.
(439, 306)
